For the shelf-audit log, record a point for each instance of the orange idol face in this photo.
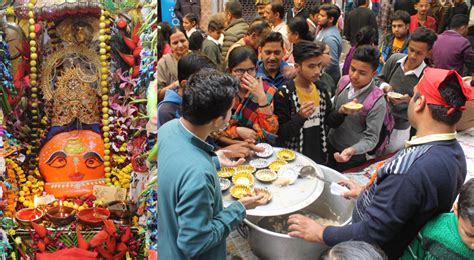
(72, 163)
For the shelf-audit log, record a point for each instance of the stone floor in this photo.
(238, 248)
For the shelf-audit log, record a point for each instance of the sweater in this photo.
(413, 186)
(393, 75)
(234, 32)
(311, 140)
(303, 13)
(193, 224)
(361, 133)
(356, 19)
(452, 51)
(439, 239)
(167, 70)
(169, 108)
(332, 37)
(212, 51)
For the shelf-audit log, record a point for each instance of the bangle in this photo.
(266, 105)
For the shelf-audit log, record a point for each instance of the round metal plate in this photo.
(290, 198)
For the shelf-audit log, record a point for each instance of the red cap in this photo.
(430, 82)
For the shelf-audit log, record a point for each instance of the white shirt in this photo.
(213, 40)
(281, 28)
(353, 93)
(471, 18)
(417, 71)
(188, 33)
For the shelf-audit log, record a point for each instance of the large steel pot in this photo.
(266, 244)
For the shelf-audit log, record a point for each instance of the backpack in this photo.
(369, 102)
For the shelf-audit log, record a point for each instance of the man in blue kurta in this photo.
(192, 223)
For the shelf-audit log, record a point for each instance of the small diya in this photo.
(259, 163)
(224, 183)
(226, 172)
(266, 175)
(61, 215)
(243, 178)
(286, 155)
(122, 211)
(26, 216)
(277, 164)
(265, 153)
(245, 168)
(93, 216)
(265, 192)
(238, 191)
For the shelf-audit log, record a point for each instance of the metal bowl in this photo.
(224, 183)
(266, 175)
(267, 152)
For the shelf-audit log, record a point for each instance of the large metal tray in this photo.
(287, 199)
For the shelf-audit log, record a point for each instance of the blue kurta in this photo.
(192, 223)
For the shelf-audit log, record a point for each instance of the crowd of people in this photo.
(280, 79)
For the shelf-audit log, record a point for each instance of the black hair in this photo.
(195, 41)
(299, 26)
(331, 11)
(214, 26)
(400, 15)
(360, 2)
(164, 33)
(272, 37)
(176, 29)
(367, 35)
(425, 35)
(451, 92)
(208, 95)
(192, 63)
(313, 9)
(459, 20)
(367, 54)
(234, 7)
(466, 201)
(304, 50)
(280, 9)
(355, 250)
(191, 17)
(241, 54)
(258, 26)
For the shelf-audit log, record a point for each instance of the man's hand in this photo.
(251, 202)
(396, 101)
(343, 110)
(354, 189)
(387, 89)
(345, 155)
(306, 109)
(246, 133)
(225, 161)
(305, 228)
(289, 72)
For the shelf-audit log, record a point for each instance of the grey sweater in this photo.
(392, 74)
(357, 131)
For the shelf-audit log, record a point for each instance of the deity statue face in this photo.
(83, 32)
(72, 163)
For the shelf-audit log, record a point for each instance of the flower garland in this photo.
(34, 84)
(104, 51)
(28, 186)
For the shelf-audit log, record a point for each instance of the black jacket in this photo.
(183, 7)
(303, 14)
(310, 141)
(356, 19)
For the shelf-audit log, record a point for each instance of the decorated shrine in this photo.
(77, 178)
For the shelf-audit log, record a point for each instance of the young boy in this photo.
(397, 40)
(421, 18)
(358, 134)
(211, 46)
(450, 235)
(304, 108)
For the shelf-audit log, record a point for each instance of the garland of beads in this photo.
(104, 84)
(33, 83)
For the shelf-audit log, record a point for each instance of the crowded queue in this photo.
(281, 79)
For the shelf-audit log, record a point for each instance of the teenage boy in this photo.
(417, 184)
(359, 133)
(421, 18)
(450, 235)
(304, 108)
(400, 74)
(397, 40)
(193, 222)
(211, 46)
(329, 34)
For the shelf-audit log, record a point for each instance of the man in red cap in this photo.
(418, 183)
